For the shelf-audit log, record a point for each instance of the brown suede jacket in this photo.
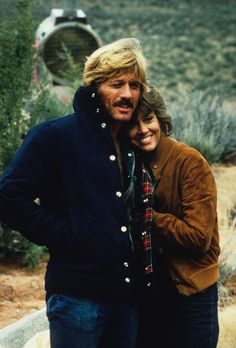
(184, 216)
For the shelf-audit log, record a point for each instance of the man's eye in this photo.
(116, 85)
(135, 85)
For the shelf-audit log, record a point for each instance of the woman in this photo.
(180, 304)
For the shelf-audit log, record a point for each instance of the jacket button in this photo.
(130, 154)
(123, 229)
(98, 110)
(118, 194)
(112, 158)
(127, 280)
(177, 281)
(93, 95)
(126, 264)
(103, 125)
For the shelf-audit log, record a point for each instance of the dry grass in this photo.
(225, 179)
(226, 183)
(227, 319)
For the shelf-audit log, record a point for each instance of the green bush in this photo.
(16, 56)
(22, 104)
(200, 121)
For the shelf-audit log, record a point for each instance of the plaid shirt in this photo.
(147, 220)
(143, 220)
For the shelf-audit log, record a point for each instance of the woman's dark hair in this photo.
(152, 101)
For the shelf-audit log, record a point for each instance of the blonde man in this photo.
(84, 178)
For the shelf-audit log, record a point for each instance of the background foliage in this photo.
(189, 44)
(22, 105)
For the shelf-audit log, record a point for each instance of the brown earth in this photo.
(22, 289)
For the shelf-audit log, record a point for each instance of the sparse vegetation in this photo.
(201, 121)
(227, 320)
(189, 44)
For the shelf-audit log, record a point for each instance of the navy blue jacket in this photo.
(70, 164)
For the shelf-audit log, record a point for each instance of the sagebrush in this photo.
(201, 121)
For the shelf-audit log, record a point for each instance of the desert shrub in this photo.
(43, 105)
(14, 246)
(232, 214)
(72, 74)
(228, 253)
(227, 321)
(201, 121)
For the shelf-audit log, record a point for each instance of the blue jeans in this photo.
(83, 323)
(171, 320)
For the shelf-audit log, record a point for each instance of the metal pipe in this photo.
(69, 4)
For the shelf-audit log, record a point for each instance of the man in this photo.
(84, 179)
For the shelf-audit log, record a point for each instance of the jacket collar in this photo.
(87, 102)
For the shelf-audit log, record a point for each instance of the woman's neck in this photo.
(150, 158)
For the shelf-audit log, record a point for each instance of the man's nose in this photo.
(126, 91)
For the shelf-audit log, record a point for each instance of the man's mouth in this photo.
(124, 104)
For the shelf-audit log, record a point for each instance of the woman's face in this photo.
(145, 132)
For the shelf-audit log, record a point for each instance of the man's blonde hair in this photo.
(122, 56)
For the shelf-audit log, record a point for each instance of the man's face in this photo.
(120, 96)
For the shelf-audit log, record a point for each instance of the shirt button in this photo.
(103, 125)
(145, 200)
(123, 229)
(118, 194)
(112, 158)
(127, 280)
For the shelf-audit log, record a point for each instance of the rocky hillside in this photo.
(189, 44)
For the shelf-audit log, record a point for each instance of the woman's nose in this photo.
(142, 128)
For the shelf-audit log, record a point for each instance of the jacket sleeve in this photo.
(27, 176)
(194, 228)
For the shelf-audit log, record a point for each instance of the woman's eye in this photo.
(149, 119)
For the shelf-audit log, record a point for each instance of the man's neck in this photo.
(115, 127)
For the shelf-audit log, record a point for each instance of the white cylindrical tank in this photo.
(65, 31)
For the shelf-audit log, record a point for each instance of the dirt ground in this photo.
(22, 290)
